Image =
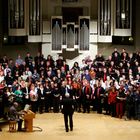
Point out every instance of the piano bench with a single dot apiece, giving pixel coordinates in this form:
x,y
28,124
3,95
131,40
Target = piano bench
x,y
12,126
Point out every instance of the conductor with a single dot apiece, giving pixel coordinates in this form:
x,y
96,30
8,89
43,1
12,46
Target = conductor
x,y
68,110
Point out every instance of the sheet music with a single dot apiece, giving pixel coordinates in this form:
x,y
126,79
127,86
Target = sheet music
x,y
26,108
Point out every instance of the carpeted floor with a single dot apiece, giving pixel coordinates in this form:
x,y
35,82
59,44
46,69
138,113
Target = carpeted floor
x,y
86,127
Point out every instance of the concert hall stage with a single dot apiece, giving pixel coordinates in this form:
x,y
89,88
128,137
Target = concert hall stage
x,y
90,126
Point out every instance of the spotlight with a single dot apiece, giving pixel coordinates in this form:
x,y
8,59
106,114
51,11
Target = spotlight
x,y
131,39
5,39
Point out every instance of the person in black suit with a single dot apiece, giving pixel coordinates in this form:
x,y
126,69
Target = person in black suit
x,y
68,110
41,98
99,97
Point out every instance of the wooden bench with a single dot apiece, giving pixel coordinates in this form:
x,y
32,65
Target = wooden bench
x,y
12,126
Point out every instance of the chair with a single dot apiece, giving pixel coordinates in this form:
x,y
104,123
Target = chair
x,y
12,126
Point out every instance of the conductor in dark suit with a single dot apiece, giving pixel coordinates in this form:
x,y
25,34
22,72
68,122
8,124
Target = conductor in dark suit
x,y
68,110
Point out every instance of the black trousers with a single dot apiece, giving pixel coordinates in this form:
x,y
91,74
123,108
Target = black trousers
x,y
78,105
129,111
113,109
47,104
1,109
20,124
56,103
70,118
86,105
41,105
99,106
34,106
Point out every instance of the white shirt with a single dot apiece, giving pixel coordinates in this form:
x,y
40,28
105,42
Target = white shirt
x,y
33,95
1,78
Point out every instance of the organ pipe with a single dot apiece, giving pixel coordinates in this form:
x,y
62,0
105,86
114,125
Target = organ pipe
x,y
102,17
12,13
30,23
38,17
84,36
17,13
76,36
123,13
127,14
16,9
21,13
109,17
118,13
105,17
70,36
123,5
34,17
56,35
64,36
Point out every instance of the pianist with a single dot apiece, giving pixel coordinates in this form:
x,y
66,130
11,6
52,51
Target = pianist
x,y
14,115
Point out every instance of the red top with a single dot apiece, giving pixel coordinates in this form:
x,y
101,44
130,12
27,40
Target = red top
x,y
112,97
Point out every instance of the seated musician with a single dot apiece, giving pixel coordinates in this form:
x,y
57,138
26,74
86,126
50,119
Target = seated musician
x,y
14,115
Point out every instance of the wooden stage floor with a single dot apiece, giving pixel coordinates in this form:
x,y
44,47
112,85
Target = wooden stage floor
x,y
86,127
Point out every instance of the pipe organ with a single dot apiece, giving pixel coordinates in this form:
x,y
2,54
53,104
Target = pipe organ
x,y
35,21
64,35
56,33
70,36
76,35
122,17
17,17
84,33
105,20
105,17
25,18
123,14
16,13
34,16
